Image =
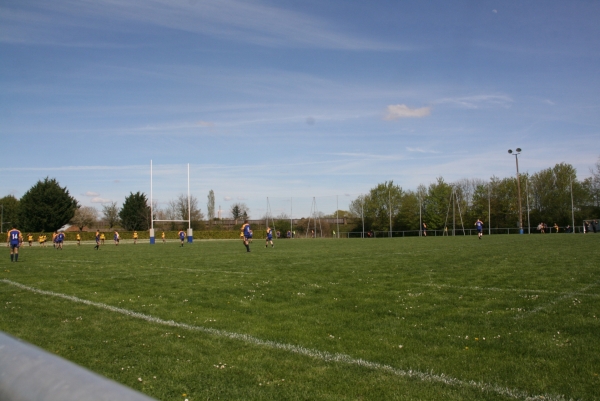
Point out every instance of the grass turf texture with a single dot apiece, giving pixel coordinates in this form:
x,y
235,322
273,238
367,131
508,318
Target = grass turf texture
x,y
416,318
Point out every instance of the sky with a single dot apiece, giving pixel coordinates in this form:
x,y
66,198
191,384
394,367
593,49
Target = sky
x,y
291,106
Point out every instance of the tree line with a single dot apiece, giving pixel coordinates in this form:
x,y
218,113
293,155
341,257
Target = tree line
x,y
552,195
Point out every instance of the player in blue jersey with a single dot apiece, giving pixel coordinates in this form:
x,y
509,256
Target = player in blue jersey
x,y
246,234
117,238
14,241
269,237
479,226
181,236
97,247
60,238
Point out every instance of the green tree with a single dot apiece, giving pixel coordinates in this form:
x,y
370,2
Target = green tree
x,y
10,212
46,206
135,213
239,211
435,204
210,206
551,195
408,214
379,206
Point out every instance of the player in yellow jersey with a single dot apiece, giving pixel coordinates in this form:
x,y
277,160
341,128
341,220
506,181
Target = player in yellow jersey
x,y
78,239
163,237
102,238
30,239
135,237
40,240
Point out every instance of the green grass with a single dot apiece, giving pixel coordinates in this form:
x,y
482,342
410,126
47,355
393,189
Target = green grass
x,y
400,319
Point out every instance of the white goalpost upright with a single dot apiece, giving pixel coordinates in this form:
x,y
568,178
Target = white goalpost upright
x,y
190,232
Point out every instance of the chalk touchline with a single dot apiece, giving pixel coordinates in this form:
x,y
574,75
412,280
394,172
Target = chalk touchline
x,y
322,355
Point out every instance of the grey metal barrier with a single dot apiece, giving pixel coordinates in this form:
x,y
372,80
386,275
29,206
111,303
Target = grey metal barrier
x,y
28,373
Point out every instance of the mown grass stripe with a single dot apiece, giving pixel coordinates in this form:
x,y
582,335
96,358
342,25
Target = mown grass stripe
x,y
321,355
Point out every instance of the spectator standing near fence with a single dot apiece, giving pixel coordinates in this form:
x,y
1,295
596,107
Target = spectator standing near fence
x,y
424,229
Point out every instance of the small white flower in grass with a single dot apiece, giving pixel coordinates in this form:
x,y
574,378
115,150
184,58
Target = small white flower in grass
x,y
139,379
400,346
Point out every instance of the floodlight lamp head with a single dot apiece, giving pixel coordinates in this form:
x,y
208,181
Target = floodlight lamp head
x,y
519,150
510,151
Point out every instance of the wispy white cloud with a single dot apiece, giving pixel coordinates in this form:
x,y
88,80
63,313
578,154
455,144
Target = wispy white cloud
x,y
91,193
479,101
397,111
236,20
419,150
100,200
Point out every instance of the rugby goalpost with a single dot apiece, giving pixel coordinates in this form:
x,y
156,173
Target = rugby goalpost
x,y
190,232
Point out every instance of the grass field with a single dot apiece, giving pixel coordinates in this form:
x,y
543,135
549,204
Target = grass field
x,y
506,317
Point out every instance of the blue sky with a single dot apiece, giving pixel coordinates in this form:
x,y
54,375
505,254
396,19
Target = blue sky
x,y
286,99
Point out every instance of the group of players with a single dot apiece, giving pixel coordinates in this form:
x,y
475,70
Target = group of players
x,y
15,238
246,236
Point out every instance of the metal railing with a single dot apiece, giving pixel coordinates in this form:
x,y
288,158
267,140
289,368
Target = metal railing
x,y
449,233
28,373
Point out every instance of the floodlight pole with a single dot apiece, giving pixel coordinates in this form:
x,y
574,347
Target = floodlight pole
x,y
337,215
489,210
572,205
517,153
420,218
527,195
2,220
151,208
362,214
190,232
292,216
390,202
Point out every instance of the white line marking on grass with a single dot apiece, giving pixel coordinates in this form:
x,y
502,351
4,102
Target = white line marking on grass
x,y
509,289
552,303
312,353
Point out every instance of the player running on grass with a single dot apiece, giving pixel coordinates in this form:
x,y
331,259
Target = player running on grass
x,y
269,237
14,240
135,237
479,226
246,234
97,240
117,238
181,234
